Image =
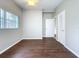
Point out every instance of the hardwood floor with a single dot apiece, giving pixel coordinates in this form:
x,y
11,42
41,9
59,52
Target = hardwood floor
x,y
46,48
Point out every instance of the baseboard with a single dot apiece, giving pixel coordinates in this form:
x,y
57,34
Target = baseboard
x,y
32,38
71,51
10,46
49,37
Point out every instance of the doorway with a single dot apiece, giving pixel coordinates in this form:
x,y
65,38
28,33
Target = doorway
x,y
48,30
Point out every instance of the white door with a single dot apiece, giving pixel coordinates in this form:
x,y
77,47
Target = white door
x,y
50,29
61,27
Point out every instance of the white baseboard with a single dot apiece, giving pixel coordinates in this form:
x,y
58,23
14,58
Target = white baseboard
x,y
10,46
48,36
71,51
32,38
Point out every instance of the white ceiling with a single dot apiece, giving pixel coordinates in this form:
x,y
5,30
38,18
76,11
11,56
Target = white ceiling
x,y
46,5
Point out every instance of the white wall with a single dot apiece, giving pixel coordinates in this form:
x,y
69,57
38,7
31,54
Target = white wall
x,y
32,24
72,23
8,36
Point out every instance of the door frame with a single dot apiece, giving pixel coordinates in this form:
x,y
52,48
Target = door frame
x,y
58,39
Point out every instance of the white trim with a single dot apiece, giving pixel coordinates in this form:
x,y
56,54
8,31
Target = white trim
x,y
72,51
10,46
32,38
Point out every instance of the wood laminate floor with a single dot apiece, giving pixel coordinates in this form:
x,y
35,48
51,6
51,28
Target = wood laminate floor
x,y
46,48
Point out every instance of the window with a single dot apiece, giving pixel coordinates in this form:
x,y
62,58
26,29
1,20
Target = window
x,y
11,20
1,18
8,20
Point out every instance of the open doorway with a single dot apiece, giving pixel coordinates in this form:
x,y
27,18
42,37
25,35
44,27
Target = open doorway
x,y
48,25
